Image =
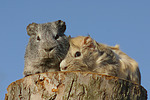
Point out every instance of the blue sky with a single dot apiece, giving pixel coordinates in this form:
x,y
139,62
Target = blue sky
x,y
111,22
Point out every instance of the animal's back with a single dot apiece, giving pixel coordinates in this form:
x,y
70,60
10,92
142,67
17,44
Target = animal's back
x,y
129,67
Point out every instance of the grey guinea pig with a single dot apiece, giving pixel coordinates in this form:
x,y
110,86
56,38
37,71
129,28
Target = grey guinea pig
x,y
47,47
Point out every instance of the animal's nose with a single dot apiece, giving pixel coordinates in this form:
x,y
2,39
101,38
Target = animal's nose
x,y
48,50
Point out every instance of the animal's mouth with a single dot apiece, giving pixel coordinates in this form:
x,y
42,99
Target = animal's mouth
x,y
65,68
46,62
47,59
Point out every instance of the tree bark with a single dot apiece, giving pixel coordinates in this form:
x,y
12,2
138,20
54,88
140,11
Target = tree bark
x,y
74,86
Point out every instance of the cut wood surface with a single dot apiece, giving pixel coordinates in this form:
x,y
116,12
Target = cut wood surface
x,y
74,86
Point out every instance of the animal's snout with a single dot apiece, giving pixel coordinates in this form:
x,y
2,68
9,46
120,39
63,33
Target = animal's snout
x,y
49,49
63,68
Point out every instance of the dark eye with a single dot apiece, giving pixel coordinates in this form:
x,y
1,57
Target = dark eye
x,y
56,37
102,52
38,38
77,54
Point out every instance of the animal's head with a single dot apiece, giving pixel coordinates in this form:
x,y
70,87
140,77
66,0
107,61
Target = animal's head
x,y
81,54
47,40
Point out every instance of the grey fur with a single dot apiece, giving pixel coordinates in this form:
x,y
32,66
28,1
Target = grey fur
x,y
46,48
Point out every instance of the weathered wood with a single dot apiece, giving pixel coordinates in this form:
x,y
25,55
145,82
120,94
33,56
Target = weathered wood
x,y
74,86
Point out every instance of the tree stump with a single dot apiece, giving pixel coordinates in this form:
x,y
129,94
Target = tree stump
x,y
74,86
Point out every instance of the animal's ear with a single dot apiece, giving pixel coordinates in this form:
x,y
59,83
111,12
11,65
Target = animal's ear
x,y
61,26
32,29
116,47
69,38
88,42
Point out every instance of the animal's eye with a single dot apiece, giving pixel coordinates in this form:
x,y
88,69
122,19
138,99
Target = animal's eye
x,y
56,37
77,54
102,52
38,38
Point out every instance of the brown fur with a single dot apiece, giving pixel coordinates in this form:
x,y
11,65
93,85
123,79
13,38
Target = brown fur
x,y
99,58
129,67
